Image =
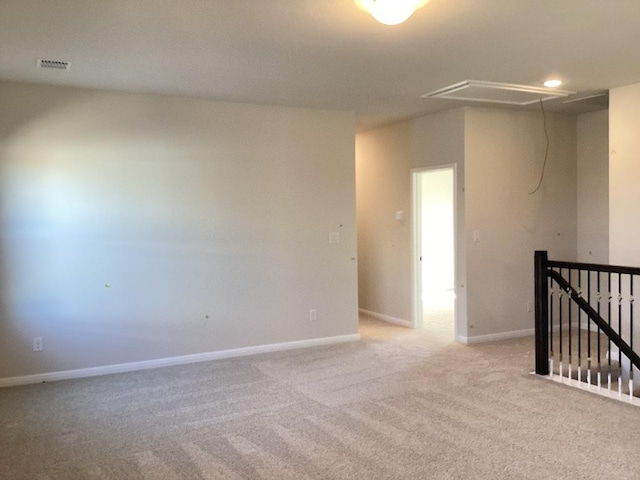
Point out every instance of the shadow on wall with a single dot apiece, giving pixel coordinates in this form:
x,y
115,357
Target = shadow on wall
x,y
136,227
23,306
106,231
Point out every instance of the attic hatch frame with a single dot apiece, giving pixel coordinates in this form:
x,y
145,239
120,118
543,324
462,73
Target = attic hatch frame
x,y
494,92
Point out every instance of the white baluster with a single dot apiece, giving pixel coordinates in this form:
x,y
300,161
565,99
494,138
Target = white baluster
x,y
619,386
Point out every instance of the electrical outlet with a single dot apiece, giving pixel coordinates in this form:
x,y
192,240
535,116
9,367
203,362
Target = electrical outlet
x,y
313,315
37,344
529,306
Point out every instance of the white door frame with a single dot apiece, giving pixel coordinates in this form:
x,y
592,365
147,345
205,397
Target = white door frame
x,y
416,224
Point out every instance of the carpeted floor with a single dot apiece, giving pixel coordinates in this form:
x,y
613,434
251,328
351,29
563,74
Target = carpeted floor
x,y
401,404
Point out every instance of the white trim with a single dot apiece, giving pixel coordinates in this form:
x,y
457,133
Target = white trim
x,y
416,249
171,361
603,391
492,337
386,318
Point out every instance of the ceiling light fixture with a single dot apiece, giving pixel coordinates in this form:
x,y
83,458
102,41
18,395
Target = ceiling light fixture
x,y
391,12
552,83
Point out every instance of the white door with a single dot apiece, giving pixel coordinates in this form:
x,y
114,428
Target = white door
x,y
434,243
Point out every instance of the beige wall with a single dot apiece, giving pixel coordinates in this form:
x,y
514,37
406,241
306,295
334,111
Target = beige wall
x,y
439,140
504,153
624,190
384,159
384,243
136,227
624,175
593,187
498,156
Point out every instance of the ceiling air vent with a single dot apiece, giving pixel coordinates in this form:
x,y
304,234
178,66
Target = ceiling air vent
x,y
492,92
54,64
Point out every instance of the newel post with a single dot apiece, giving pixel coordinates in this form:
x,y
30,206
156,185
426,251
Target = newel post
x,y
542,312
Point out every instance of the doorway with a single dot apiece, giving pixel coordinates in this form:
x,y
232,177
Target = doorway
x,y
434,250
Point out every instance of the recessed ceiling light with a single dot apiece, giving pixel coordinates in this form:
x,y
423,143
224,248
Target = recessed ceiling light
x,y
552,83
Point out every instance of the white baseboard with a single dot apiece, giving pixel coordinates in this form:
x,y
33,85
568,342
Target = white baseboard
x,y
386,318
604,392
171,361
492,337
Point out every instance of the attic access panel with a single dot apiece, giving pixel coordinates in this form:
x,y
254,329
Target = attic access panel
x,y
492,92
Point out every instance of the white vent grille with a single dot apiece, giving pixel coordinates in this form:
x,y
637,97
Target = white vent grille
x,y
492,92
54,64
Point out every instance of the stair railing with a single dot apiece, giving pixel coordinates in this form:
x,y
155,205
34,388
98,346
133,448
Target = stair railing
x,y
583,311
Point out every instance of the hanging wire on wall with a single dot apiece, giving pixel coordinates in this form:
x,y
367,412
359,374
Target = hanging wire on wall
x,y
546,150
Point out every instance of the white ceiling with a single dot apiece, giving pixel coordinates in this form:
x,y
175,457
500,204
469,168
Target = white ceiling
x,y
324,54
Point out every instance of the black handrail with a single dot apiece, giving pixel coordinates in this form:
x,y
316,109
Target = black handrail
x,y
593,267
544,271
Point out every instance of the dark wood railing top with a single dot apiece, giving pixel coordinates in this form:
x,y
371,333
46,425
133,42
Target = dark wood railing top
x,y
595,267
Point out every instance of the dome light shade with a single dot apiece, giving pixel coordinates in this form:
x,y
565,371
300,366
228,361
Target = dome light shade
x,y
552,83
392,12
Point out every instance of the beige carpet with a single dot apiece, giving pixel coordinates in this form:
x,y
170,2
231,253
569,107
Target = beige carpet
x,y
401,404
